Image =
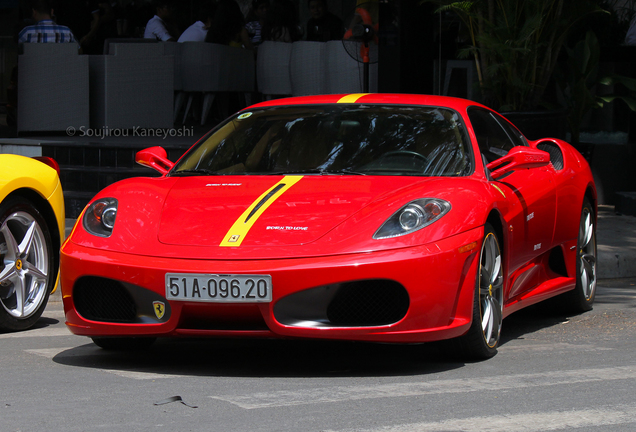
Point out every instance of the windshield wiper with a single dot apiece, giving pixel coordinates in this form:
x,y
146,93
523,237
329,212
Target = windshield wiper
x,y
317,171
193,172
285,172
349,172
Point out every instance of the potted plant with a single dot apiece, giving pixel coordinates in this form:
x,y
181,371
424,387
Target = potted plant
x,y
516,44
580,83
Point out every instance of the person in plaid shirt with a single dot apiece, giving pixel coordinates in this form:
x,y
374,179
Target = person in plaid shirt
x,y
45,30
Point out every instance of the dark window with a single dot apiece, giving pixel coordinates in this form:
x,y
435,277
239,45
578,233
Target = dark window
x,y
494,142
517,137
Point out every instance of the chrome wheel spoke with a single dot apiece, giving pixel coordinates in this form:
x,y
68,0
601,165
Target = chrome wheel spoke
x,y
13,251
497,285
36,274
588,230
588,276
20,297
27,241
589,259
496,307
486,320
8,274
490,318
497,270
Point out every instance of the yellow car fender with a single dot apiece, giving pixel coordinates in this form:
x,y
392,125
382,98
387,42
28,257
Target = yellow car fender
x,y
21,172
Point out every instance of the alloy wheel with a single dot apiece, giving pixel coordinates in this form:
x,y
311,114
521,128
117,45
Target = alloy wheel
x,y
25,259
491,290
587,254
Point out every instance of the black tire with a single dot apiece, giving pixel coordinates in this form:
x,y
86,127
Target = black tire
x,y
581,298
480,342
34,268
124,343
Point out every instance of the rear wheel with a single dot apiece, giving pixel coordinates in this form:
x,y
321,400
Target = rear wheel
x,y
28,272
581,299
482,339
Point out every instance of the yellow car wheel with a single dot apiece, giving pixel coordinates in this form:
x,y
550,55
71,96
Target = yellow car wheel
x,y
26,255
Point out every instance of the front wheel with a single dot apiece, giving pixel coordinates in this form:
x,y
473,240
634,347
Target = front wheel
x,y
27,275
482,339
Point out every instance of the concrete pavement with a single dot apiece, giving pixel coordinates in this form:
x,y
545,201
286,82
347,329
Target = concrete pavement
x,y
616,243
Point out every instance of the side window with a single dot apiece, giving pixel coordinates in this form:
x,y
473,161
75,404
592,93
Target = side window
x,y
517,137
494,142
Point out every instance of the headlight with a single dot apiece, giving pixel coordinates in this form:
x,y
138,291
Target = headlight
x,y
412,217
99,218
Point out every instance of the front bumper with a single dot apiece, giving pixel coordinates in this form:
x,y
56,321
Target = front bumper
x,y
438,279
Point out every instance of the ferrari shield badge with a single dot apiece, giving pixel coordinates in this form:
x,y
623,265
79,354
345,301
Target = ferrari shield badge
x,y
160,309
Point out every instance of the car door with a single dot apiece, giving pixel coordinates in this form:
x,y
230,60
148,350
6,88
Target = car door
x,y
530,193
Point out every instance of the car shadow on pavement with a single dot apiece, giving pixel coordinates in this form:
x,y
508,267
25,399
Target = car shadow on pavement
x,y
313,358
265,358
291,358
41,323
530,320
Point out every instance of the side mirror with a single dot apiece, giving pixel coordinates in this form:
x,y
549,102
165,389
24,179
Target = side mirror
x,y
155,158
518,158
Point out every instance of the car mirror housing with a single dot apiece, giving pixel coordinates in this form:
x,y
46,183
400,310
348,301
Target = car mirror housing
x,y
155,158
516,159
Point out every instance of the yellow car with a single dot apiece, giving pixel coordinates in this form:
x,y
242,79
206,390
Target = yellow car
x,y
31,231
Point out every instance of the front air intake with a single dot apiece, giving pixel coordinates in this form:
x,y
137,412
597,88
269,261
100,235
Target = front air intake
x,y
101,299
368,303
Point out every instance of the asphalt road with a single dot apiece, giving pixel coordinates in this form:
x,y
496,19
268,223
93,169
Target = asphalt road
x,y
552,373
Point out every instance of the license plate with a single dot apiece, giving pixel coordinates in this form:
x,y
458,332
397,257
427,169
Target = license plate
x,y
219,288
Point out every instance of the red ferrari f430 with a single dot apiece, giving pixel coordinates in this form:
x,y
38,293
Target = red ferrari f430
x,y
368,217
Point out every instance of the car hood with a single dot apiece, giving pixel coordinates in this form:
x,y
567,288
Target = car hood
x,y
256,211
313,215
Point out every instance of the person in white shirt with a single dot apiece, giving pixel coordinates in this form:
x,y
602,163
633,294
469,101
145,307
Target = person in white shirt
x,y
156,27
197,31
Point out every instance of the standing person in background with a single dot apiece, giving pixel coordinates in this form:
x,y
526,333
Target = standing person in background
x,y
323,26
199,30
156,27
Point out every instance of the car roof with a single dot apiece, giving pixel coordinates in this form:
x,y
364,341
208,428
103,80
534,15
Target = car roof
x,y
373,98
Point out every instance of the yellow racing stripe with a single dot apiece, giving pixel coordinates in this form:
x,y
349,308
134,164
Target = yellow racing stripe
x,y
352,98
243,224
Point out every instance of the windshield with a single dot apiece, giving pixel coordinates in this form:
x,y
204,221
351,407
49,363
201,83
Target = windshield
x,y
334,139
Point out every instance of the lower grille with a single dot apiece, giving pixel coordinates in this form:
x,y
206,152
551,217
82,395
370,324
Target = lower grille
x,y
368,303
100,299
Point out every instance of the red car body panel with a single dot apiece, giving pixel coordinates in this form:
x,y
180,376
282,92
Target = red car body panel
x,y
319,232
